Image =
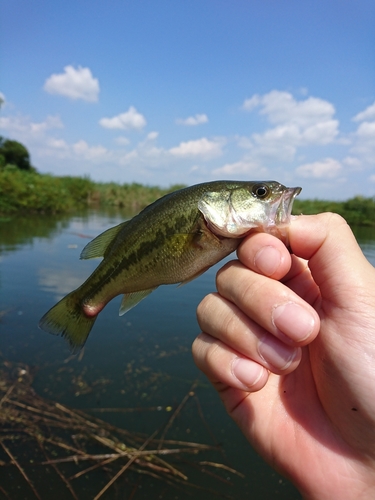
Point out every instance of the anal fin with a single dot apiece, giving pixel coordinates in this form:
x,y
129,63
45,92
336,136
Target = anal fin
x,y
130,300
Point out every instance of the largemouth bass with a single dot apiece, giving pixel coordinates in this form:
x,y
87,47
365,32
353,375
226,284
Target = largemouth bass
x,y
173,240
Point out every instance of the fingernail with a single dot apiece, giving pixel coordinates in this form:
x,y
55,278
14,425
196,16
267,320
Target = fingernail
x,y
267,260
293,321
274,352
246,371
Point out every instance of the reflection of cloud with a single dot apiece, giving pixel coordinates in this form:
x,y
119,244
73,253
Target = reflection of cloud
x,y
59,282
74,83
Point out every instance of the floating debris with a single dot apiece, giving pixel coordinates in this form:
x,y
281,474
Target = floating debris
x,y
62,438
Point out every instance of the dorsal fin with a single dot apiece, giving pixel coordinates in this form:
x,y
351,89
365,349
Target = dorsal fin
x,y
99,245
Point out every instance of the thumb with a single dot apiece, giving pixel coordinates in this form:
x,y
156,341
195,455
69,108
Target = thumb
x,y
336,261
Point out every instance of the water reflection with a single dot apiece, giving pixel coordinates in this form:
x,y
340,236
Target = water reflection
x,y
142,360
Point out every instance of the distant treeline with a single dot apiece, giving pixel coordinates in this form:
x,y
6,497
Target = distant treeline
x,y
358,211
26,191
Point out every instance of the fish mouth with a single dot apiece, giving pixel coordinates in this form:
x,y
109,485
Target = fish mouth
x,y
280,226
285,207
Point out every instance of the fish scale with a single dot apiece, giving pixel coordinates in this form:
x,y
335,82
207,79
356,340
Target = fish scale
x,y
173,240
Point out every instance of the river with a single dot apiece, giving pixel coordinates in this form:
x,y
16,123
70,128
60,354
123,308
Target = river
x,y
136,373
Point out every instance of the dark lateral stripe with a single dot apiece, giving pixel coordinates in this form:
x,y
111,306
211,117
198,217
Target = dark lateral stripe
x,y
107,272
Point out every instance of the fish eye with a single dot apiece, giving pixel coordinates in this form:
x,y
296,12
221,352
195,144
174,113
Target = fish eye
x,y
260,191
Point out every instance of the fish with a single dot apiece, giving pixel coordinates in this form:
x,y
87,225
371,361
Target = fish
x,y
173,240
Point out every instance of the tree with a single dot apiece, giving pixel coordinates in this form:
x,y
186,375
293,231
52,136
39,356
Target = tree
x,y
15,153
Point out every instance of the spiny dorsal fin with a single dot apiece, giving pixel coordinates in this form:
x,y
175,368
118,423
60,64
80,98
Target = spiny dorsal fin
x,y
130,300
99,245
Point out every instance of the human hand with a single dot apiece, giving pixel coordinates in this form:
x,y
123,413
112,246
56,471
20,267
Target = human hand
x,y
289,344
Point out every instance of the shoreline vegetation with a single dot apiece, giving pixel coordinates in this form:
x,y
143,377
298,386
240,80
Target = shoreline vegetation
x,y
26,191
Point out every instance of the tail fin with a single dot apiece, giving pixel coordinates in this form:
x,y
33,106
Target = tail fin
x,y
67,318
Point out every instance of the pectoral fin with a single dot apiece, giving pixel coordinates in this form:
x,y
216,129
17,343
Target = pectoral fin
x,y
100,245
130,300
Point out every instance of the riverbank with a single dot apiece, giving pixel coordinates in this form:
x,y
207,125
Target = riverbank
x,y
30,192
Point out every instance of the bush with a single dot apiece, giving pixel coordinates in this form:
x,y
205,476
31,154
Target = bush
x,y
23,191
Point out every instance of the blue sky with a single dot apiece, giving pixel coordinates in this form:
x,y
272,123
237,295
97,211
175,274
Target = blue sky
x,y
165,92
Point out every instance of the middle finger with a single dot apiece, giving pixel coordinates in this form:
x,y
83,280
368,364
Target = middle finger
x,y
269,303
222,320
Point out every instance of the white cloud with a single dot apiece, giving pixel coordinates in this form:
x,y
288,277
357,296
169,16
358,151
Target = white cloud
x,y
352,162
281,107
372,178
42,144
122,141
82,149
200,147
363,139
152,136
193,120
247,167
24,128
253,102
131,119
366,130
296,124
367,114
74,83
328,168
364,142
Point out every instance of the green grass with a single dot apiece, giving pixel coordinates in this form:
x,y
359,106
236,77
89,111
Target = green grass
x,y
22,191
30,192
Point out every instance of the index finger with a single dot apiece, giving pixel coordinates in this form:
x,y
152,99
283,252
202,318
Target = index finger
x,y
265,254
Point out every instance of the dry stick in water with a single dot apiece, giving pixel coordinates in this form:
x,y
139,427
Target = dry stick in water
x,y
58,471
178,410
121,471
13,459
24,411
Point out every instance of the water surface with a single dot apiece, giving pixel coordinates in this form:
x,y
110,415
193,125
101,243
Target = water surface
x,y
141,361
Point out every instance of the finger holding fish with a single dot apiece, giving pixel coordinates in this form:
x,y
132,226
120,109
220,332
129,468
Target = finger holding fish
x,y
265,254
269,303
237,333
253,318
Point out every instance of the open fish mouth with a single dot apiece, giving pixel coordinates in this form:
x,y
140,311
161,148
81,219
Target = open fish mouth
x,y
279,223
284,208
